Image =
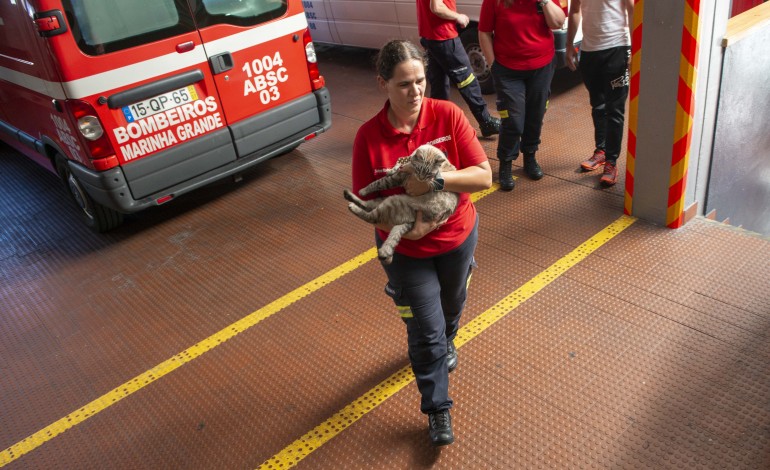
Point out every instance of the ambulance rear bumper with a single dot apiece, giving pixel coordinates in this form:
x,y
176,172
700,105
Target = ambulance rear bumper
x,y
187,167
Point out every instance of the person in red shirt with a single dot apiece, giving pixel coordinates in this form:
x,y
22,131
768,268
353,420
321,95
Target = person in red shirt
x,y
429,274
516,38
437,22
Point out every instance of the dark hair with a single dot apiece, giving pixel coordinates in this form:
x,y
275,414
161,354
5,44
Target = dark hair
x,y
395,52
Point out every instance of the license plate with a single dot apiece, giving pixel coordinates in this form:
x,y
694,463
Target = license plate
x,y
160,103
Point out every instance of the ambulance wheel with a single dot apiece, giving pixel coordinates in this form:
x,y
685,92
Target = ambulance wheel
x,y
470,40
96,216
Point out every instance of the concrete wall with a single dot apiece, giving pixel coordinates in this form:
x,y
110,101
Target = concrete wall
x,y
739,186
714,17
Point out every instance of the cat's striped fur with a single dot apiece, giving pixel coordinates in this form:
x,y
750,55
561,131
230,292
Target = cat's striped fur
x,y
400,210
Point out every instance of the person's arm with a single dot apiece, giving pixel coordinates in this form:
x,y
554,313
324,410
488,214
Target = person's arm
x,y
630,16
575,17
468,180
554,15
487,47
438,8
630,13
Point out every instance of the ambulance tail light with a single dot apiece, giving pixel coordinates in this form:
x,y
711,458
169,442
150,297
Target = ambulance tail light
x,y
90,127
316,79
99,146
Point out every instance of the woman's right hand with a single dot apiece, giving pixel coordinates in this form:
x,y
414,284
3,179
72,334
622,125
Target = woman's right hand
x,y
422,228
572,60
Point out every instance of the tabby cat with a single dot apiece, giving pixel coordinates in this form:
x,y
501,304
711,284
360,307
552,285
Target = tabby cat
x,y
400,210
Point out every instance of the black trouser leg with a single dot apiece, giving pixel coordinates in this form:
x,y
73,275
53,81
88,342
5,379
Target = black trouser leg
x,y
522,96
605,74
438,80
449,61
538,93
430,295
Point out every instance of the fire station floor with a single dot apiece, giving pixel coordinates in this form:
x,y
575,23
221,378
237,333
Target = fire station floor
x,y
245,325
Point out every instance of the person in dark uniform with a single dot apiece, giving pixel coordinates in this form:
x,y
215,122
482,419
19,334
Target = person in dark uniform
x,y
437,22
516,38
429,275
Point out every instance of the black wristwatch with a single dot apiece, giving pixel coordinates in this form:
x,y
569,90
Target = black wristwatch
x,y
438,182
542,3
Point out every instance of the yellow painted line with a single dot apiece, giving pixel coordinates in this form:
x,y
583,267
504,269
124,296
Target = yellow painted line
x,y
345,418
479,194
137,383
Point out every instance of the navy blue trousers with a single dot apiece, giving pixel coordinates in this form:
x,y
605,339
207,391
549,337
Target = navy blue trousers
x,y
448,61
430,294
522,97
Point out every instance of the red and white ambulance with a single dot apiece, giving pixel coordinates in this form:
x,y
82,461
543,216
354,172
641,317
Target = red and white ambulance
x,y
135,102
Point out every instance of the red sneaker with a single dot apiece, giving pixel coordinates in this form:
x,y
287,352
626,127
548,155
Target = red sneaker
x,y
610,175
594,162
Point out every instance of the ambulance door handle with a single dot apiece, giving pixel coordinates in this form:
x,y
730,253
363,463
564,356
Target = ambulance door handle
x,y
221,62
49,23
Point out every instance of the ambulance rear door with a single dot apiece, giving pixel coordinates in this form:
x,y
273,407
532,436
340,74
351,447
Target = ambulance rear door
x,y
140,67
256,50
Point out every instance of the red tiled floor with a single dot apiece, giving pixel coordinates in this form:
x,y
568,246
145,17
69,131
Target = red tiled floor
x,y
651,352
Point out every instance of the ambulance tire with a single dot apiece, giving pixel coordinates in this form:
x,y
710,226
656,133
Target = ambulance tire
x,y
96,216
470,39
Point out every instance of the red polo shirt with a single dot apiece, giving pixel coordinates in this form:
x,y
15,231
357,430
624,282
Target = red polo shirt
x,y
522,39
430,26
378,146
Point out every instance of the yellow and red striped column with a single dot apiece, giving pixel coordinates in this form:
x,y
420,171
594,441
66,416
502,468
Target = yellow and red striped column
x,y
633,106
685,111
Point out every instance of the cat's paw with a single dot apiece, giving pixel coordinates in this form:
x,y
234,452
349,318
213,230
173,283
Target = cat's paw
x,y
386,256
347,195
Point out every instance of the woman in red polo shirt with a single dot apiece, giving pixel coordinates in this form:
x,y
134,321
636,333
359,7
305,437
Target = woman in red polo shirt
x,y
432,264
516,38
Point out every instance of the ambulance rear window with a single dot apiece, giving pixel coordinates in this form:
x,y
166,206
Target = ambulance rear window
x,y
102,26
237,12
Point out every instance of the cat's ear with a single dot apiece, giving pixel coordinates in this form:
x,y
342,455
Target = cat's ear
x,y
436,152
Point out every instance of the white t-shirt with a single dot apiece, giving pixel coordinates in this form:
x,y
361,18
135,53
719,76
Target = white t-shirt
x,y
604,24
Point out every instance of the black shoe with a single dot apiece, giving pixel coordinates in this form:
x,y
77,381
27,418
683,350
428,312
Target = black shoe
x,y
451,356
531,168
490,127
440,428
506,175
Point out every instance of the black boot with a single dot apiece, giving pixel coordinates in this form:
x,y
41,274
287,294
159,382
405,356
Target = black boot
x,y
440,428
451,356
531,168
490,126
506,175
